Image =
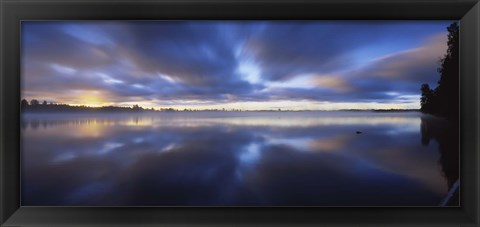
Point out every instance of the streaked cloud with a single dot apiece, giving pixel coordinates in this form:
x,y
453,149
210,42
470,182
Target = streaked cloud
x,y
174,63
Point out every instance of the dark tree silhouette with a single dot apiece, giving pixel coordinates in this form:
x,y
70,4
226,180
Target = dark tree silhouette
x,y
34,102
137,108
426,101
24,104
448,85
45,107
443,100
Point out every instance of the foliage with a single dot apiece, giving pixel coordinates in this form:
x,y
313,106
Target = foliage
x,y
444,99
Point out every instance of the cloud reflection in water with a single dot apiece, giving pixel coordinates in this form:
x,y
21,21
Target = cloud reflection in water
x,y
267,159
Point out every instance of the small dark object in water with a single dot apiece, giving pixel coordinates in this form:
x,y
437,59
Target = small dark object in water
x,y
358,132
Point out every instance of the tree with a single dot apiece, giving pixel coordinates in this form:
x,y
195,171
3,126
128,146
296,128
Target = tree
x,y
444,99
426,99
137,107
34,102
44,103
24,104
448,85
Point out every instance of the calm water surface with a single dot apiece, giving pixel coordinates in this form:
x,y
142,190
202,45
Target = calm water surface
x,y
232,159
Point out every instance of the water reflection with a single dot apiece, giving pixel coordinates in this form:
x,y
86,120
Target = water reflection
x,y
446,135
265,159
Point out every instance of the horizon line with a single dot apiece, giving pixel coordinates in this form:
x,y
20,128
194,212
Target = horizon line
x,y
184,109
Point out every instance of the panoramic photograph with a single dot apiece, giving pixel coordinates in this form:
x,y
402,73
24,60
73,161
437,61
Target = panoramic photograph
x,y
240,113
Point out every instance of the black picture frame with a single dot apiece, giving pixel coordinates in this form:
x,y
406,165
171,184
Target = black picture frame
x,y
14,11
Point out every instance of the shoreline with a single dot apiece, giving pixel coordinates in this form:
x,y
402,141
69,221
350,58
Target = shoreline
x,y
95,111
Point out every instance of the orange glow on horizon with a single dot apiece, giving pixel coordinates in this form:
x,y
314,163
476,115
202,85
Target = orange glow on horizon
x,y
93,99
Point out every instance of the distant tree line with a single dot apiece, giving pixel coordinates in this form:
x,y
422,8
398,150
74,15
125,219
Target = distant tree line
x,y
35,106
46,107
444,99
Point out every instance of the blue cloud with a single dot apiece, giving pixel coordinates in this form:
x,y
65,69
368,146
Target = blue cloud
x,y
202,60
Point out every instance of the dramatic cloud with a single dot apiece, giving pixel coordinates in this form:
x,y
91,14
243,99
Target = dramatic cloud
x,y
252,64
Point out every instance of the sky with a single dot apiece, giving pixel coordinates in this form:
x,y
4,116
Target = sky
x,y
248,65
